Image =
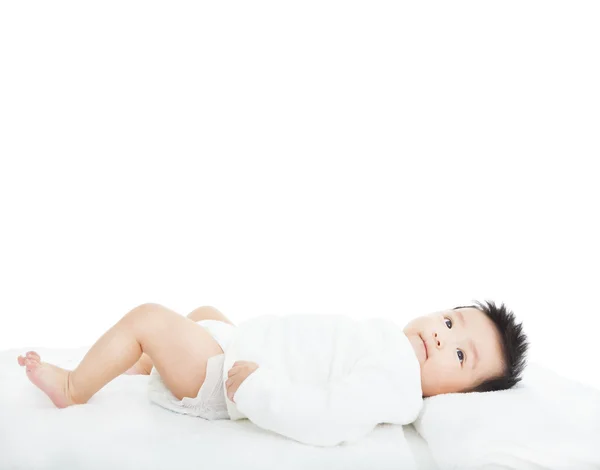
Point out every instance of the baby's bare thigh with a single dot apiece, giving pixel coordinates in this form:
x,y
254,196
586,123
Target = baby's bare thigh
x,y
179,349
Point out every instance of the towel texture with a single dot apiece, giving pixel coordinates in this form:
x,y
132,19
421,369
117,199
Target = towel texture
x,y
545,421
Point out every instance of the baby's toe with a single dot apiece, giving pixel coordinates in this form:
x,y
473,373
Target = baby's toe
x,y
34,357
32,364
21,360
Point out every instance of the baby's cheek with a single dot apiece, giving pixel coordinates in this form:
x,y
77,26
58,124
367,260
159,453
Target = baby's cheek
x,y
424,372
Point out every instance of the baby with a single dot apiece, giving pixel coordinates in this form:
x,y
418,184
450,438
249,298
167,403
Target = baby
x,y
318,379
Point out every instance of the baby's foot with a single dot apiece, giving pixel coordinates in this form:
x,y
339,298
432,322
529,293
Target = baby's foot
x,y
50,379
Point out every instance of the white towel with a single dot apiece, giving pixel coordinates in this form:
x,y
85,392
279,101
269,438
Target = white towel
x,y
546,421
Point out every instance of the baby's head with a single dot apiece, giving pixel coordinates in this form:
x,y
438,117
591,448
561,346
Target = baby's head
x,y
477,348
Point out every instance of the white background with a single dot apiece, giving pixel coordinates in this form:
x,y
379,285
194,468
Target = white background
x,y
358,158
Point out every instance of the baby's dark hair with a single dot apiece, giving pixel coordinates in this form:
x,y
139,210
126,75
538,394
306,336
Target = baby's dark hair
x,y
514,346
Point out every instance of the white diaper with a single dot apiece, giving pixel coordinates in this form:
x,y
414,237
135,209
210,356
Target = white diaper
x,y
210,401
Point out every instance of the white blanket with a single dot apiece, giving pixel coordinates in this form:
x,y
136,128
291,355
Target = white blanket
x,y
119,428
324,379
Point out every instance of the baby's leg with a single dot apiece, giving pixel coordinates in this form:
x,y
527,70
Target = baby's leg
x,y
178,346
144,365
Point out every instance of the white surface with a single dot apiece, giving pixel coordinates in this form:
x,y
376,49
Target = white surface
x,y
546,421
120,429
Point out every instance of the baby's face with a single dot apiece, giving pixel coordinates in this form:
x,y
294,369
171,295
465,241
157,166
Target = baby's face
x,y
452,348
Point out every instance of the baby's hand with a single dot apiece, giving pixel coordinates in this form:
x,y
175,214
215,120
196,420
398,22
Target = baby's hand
x,y
237,374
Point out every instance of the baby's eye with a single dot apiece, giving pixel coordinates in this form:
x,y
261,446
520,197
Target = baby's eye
x,y
462,355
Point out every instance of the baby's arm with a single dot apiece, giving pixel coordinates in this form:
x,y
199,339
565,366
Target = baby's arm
x,y
342,410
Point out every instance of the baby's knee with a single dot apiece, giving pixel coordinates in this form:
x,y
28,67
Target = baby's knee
x,y
150,306
144,312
